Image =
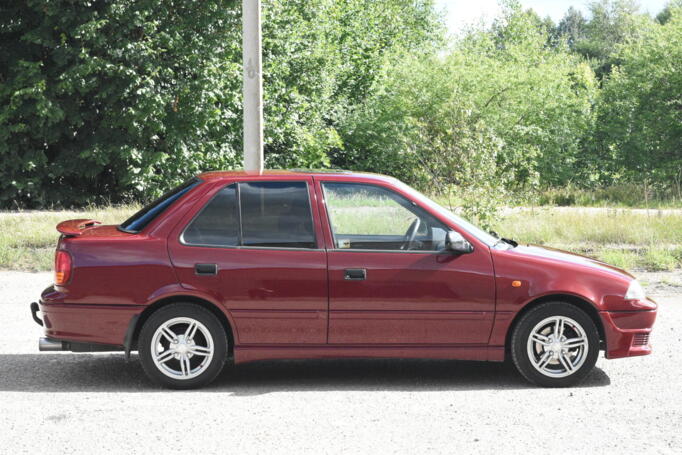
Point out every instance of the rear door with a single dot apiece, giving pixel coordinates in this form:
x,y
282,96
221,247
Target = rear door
x,y
255,247
391,280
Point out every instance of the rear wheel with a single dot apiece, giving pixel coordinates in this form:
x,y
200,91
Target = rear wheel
x,y
182,346
555,344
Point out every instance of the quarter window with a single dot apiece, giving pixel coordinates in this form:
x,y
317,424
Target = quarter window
x,y
147,214
218,223
369,217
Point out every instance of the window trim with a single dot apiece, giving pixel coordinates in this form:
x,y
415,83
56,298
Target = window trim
x,y
240,246
362,250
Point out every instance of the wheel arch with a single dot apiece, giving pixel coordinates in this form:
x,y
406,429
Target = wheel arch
x,y
574,300
184,298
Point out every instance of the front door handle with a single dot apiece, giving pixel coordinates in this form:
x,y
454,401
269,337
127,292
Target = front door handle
x,y
354,274
206,269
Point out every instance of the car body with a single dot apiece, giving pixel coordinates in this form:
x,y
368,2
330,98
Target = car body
x,y
319,265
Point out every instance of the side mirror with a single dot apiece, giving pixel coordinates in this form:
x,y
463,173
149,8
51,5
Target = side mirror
x,y
458,244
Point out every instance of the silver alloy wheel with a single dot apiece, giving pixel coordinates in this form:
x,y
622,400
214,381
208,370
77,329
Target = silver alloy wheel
x,y
182,348
557,346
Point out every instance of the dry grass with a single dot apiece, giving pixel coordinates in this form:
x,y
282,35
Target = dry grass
x,y
621,237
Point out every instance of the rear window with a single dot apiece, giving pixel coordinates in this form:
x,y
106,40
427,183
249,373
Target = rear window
x,y
142,218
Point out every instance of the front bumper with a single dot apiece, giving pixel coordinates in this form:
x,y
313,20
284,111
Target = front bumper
x,y
627,332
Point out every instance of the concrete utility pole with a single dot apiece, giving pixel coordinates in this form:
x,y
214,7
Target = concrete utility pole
x,y
253,86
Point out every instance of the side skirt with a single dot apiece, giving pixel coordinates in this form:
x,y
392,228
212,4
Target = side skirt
x,y
251,353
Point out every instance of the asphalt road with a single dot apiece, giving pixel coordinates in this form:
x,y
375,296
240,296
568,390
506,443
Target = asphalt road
x,y
95,403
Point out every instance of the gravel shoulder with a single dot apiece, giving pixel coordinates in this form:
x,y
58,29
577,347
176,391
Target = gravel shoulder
x,y
92,403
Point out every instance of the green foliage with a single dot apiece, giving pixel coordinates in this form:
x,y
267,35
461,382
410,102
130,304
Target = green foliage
x,y
612,23
572,27
419,129
658,259
118,99
640,113
498,111
666,14
113,98
320,58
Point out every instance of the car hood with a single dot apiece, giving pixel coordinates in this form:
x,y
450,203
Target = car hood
x,y
567,258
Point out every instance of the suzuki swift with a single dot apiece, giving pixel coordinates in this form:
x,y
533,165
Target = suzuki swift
x,y
281,265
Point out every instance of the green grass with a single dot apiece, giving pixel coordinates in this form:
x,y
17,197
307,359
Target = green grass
x,y
620,258
621,237
549,226
650,241
28,239
658,259
621,195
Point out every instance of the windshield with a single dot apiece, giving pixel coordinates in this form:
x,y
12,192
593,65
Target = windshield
x,y
477,232
142,218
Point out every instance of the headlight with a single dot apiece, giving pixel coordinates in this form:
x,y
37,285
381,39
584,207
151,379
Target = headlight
x,y
635,291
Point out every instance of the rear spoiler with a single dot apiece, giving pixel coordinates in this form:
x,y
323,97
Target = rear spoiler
x,y
76,227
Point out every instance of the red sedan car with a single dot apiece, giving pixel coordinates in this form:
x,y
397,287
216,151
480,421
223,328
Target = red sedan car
x,y
283,265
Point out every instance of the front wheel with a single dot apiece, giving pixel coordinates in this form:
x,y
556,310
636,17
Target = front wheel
x,y
555,344
182,346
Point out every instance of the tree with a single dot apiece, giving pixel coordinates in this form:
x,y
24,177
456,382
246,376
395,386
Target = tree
x,y
572,27
500,111
117,99
612,22
666,13
108,99
640,111
321,58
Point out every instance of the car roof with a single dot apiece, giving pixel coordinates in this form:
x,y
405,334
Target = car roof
x,y
224,175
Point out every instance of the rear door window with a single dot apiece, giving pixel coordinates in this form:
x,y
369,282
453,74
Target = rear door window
x,y
255,214
276,214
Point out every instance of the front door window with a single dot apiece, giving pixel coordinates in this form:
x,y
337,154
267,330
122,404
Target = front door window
x,y
370,217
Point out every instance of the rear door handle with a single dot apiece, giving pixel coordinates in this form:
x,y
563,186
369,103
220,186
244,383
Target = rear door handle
x,y
206,269
354,274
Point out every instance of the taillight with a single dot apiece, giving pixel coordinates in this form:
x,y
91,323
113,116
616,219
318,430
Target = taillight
x,y
62,267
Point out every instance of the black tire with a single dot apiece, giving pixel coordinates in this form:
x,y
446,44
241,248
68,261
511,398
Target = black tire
x,y
520,348
206,372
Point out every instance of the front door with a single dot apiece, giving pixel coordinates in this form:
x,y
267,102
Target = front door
x,y
391,280
253,247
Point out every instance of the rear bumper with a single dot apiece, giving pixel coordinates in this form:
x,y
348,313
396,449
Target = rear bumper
x,y
52,345
84,323
627,332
